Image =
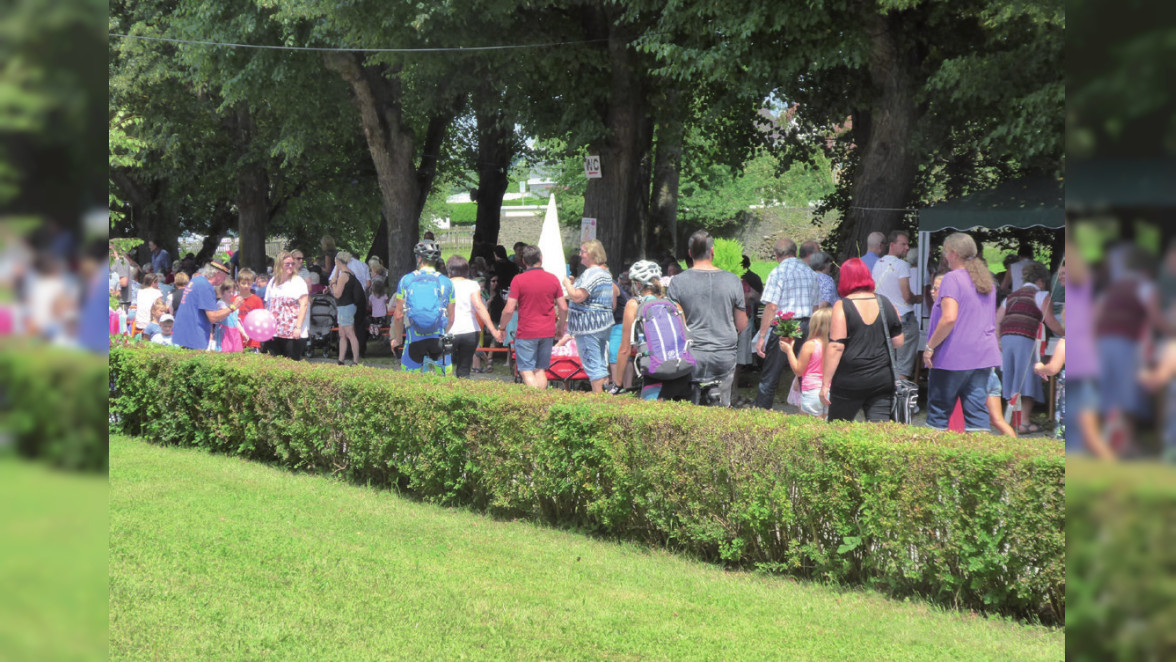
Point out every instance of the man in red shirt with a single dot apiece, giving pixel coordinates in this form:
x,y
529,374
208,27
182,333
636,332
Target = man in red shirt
x,y
543,311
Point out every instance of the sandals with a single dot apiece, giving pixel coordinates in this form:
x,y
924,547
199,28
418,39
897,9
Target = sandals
x,y
1029,429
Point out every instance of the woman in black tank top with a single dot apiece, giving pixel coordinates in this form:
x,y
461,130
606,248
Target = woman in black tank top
x,y
857,374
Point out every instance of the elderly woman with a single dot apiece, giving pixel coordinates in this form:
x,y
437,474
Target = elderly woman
x,y
823,265
287,298
857,375
1018,318
962,348
349,297
590,312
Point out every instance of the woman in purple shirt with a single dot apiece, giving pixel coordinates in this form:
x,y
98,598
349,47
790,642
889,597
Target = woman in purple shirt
x,y
963,348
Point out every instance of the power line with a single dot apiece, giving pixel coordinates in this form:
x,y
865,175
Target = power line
x,y
354,50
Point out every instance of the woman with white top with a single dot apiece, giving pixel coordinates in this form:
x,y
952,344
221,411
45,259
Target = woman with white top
x,y
287,297
149,292
470,315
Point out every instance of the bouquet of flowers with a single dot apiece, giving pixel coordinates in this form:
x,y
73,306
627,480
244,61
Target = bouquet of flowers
x,y
784,326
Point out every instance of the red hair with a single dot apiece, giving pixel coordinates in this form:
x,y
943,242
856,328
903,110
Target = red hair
x,y
855,277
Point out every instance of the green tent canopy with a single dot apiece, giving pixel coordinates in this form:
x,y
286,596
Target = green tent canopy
x,y
1022,203
1122,183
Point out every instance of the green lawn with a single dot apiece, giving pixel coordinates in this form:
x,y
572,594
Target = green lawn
x,y
53,533
218,558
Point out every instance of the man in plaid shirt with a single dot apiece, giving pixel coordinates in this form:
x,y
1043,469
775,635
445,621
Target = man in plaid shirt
x,y
792,287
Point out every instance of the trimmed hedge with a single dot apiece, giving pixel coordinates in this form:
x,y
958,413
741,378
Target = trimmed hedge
x,y
52,404
1121,554
974,522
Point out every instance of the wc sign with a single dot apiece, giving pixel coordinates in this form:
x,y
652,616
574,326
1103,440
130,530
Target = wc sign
x,y
592,167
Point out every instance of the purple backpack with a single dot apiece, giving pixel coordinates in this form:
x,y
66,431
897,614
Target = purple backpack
x,y
667,354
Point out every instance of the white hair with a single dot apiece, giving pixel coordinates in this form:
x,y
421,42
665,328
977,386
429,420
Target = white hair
x,y
875,240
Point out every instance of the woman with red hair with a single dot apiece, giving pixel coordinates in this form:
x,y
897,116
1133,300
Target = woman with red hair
x,y
858,376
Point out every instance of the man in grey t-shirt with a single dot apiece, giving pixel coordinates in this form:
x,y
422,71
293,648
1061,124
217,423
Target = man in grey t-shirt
x,y
713,302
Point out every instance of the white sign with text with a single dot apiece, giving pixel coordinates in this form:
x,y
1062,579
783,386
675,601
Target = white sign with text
x,y
592,167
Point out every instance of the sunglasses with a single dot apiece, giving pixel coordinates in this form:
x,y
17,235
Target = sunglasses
x,y
288,263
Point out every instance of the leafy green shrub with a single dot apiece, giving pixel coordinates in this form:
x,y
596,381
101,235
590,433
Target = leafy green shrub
x,y
53,404
969,521
1120,561
729,256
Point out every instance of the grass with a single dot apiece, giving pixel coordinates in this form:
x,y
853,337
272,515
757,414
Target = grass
x,y
218,558
53,572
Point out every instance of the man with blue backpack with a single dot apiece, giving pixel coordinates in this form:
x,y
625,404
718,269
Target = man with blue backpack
x,y
424,312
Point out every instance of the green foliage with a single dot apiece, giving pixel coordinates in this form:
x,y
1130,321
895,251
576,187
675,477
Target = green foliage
x,y
971,521
729,256
53,405
1120,551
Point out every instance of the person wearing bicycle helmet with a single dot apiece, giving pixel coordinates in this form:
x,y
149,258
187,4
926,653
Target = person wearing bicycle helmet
x,y
645,276
424,312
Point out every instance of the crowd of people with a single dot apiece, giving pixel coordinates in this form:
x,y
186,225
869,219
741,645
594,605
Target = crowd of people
x,y
855,327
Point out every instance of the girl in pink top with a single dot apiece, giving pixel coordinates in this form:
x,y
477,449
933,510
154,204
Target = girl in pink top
x,y
807,366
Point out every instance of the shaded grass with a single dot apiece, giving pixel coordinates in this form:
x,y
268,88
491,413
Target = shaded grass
x,y
53,531
214,557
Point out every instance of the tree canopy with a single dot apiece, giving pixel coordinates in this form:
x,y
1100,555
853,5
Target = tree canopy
x,y
698,111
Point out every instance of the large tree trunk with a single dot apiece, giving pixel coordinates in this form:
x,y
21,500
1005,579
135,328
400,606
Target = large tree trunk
x,y
615,200
392,146
426,173
495,152
143,211
252,216
667,169
886,167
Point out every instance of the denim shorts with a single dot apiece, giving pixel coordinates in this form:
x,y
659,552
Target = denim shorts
x,y
994,385
594,353
810,403
346,315
533,354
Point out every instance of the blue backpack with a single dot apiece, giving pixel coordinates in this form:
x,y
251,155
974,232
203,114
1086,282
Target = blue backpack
x,y
422,303
667,349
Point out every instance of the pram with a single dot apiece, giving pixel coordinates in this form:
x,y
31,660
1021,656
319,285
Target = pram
x,y
565,369
322,319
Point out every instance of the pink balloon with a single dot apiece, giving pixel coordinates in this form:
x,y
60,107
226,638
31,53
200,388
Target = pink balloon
x,y
260,325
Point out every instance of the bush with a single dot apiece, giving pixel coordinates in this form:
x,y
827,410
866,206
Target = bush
x,y
53,406
1121,558
967,521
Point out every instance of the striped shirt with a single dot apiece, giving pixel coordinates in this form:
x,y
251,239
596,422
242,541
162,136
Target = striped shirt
x,y
594,313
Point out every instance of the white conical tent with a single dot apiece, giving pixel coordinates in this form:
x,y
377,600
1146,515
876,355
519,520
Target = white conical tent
x,y
551,243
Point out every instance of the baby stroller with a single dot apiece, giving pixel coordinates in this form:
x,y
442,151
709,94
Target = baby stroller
x,y
322,319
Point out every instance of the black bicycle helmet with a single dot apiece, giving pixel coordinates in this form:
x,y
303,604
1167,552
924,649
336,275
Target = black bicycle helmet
x,y
428,250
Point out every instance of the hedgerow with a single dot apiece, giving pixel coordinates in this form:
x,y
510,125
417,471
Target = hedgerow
x,y
52,404
1121,560
969,521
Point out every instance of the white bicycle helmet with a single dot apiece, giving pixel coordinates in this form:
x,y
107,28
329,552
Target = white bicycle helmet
x,y
644,272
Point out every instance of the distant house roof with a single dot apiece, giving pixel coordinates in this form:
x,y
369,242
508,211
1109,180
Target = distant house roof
x,y
1021,203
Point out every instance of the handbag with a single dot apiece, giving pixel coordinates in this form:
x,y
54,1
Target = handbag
x,y
906,392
